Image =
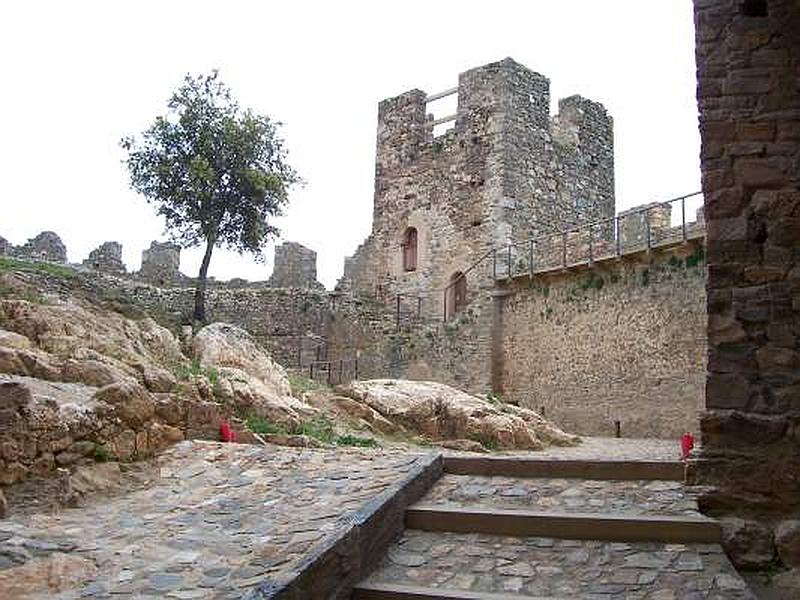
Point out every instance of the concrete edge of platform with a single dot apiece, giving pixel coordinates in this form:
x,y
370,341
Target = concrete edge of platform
x,y
511,466
579,526
337,564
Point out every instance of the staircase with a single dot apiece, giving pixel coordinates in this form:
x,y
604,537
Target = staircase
x,y
510,528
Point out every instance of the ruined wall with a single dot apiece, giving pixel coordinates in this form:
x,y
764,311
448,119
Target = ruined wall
x,y
748,60
505,171
622,341
295,266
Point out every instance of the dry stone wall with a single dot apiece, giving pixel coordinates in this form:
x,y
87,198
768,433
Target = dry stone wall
x,y
622,341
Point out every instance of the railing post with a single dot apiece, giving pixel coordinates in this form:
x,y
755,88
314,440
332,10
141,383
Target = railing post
x,y
509,266
647,225
619,235
329,372
311,370
564,250
494,263
444,305
419,307
355,368
398,313
299,352
530,256
341,369
683,217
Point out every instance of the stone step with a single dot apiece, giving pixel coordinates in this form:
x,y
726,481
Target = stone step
x,y
630,497
576,526
394,591
523,466
449,565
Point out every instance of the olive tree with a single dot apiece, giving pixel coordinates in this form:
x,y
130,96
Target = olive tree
x,y
217,173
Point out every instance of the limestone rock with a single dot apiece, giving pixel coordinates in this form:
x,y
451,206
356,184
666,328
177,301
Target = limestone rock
x,y
91,372
463,445
246,374
224,345
441,412
46,576
747,543
161,436
9,339
3,505
132,403
787,540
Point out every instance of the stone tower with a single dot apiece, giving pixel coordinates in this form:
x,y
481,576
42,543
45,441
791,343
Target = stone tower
x,y
507,171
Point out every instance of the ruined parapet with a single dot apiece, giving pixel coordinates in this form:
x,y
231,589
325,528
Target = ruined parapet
x,y
46,246
5,246
636,223
161,263
295,266
106,258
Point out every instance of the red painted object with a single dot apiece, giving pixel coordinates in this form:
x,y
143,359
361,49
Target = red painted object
x,y
687,443
226,434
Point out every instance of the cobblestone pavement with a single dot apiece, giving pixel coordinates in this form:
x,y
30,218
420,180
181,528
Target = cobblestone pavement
x,y
564,495
220,519
605,448
554,568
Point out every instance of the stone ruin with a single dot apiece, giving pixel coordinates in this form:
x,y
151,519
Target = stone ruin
x,y
45,247
161,263
295,266
106,258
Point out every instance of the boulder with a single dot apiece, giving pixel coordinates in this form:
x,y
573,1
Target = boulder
x,y
440,412
44,577
132,403
246,375
91,372
787,541
749,544
223,345
9,339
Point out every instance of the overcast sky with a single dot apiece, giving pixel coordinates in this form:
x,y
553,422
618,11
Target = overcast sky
x,y
79,75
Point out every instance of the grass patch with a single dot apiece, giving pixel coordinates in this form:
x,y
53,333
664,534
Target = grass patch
x,y
319,427
358,442
263,426
8,264
194,370
299,383
101,453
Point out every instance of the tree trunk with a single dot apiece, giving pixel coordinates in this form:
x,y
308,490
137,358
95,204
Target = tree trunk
x,y
200,290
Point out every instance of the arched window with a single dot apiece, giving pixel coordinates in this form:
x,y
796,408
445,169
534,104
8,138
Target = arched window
x,y
456,294
409,247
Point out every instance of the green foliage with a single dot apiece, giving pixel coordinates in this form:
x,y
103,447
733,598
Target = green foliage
x,y
493,398
352,440
101,453
194,370
319,427
262,426
8,264
217,173
593,282
697,257
300,383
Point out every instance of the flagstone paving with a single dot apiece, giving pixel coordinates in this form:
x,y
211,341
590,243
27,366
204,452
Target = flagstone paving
x,y
564,495
220,519
555,568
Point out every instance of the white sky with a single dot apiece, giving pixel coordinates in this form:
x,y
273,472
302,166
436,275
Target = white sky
x,y
78,75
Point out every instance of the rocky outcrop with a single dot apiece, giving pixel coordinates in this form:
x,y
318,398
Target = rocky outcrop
x,y
441,413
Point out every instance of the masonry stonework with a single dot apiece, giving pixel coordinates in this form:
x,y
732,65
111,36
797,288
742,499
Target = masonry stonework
x,y
620,341
295,266
505,172
748,60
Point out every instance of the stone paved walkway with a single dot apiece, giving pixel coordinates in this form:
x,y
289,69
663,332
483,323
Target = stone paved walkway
x,y
564,495
554,568
221,519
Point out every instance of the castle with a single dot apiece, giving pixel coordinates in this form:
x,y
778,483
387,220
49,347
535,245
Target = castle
x,y
506,172
496,263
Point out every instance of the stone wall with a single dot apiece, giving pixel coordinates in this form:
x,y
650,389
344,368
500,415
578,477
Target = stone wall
x,y
295,266
621,341
161,263
748,60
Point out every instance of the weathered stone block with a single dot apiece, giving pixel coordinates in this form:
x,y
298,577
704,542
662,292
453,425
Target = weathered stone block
x,y
748,543
787,541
